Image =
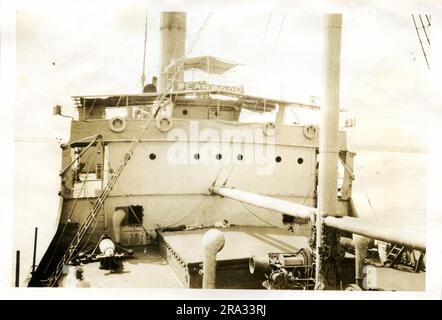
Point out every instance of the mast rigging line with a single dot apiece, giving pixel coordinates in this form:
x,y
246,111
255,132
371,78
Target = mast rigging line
x,y
72,209
279,33
143,75
420,41
161,103
267,28
425,31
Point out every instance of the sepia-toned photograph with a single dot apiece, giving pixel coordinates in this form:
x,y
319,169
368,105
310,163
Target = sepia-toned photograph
x,y
200,146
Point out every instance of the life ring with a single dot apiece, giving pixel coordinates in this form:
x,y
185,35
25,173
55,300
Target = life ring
x,y
117,124
310,131
269,129
164,124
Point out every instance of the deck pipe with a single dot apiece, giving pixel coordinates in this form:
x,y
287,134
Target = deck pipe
x,y
213,242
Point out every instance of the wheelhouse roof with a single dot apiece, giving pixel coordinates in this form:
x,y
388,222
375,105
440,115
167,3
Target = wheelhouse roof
x,y
188,97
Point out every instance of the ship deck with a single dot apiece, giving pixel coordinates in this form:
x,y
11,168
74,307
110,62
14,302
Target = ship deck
x,y
176,261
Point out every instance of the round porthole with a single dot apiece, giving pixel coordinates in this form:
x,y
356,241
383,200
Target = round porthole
x,y
300,160
219,156
240,157
196,156
152,156
278,159
185,112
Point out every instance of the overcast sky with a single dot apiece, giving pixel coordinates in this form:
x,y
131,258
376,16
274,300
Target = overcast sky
x,y
68,48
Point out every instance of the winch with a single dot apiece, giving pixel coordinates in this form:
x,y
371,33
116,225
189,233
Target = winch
x,y
284,270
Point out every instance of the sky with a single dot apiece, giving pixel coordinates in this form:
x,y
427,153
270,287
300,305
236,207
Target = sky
x,y
72,49
66,48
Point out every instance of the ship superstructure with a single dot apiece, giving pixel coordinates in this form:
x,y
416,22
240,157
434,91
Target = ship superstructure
x,y
155,170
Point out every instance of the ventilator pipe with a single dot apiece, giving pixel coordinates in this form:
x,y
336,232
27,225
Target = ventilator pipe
x,y
361,250
117,219
213,242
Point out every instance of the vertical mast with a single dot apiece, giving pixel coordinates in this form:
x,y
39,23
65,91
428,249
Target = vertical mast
x,y
143,75
328,152
172,44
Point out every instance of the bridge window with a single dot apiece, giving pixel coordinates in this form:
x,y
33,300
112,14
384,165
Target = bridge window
x,y
111,112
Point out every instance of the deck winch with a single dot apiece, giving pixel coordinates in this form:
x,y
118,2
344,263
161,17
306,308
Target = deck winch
x,y
284,270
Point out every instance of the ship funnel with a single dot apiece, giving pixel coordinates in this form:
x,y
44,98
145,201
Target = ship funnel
x,y
172,45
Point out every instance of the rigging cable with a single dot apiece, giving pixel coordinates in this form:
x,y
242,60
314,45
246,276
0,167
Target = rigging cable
x,y
72,210
143,75
279,33
366,193
254,214
190,213
267,28
425,31
420,41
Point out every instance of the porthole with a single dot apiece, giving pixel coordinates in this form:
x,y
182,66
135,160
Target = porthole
x,y
196,156
219,156
240,157
278,159
300,160
185,112
152,156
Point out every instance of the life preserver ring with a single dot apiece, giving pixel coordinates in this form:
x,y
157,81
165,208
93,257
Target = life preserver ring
x,y
310,131
164,124
269,129
117,124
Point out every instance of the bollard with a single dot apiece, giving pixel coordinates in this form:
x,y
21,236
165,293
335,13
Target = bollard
x,y
213,242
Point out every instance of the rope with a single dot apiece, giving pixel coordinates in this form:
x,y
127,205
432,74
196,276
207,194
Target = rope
x,y
366,194
425,31
279,33
267,27
217,176
71,212
90,236
294,113
190,213
420,41
231,170
254,214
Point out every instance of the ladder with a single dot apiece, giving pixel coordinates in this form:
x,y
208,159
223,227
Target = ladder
x,y
102,197
160,104
394,255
